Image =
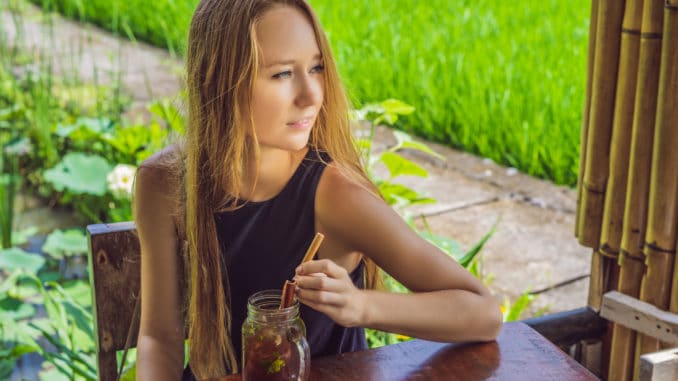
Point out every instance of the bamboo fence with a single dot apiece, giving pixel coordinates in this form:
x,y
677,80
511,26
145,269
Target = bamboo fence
x,y
627,207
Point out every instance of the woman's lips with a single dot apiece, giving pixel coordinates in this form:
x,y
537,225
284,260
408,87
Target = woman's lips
x,y
301,124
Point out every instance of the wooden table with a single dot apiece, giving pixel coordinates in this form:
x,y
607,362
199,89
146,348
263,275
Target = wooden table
x,y
520,353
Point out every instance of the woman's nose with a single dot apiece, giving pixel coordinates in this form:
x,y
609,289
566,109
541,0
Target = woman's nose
x,y
310,91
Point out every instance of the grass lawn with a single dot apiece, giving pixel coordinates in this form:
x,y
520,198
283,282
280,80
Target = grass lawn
x,y
501,80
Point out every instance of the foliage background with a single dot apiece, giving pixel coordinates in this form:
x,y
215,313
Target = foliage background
x,y
497,79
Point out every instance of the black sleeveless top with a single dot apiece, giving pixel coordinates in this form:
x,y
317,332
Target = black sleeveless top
x,y
263,242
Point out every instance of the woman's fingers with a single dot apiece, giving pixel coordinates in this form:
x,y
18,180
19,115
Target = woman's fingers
x,y
324,266
316,297
326,287
318,281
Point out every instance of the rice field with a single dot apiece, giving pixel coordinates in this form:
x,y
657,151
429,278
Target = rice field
x,y
501,80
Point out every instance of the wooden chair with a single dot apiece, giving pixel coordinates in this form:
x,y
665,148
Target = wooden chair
x,y
114,273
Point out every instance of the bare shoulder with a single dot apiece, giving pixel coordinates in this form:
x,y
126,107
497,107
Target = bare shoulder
x,y
156,189
342,201
159,173
336,187
163,163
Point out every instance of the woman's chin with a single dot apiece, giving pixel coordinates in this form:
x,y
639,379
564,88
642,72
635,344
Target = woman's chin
x,y
291,145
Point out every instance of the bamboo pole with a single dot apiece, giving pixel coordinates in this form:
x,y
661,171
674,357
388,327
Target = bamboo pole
x,y
587,108
662,217
669,107
622,124
608,36
603,87
615,194
635,211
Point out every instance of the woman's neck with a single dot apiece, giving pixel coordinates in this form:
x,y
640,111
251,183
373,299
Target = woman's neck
x,y
273,170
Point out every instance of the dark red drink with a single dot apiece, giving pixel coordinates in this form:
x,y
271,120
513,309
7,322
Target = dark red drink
x,y
274,340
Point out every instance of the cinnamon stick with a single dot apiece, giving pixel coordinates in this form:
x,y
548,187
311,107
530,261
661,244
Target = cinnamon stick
x,y
313,248
287,296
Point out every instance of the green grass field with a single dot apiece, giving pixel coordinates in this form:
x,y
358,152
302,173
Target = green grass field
x,y
502,80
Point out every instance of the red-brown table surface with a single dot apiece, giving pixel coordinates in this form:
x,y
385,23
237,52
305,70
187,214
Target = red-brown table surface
x,y
520,353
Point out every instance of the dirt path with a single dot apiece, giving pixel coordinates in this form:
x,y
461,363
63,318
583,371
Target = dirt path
x,y
533,247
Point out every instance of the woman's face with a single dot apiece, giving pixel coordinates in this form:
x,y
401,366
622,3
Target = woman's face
x,y
288,90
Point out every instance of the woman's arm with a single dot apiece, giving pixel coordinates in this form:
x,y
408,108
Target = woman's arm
x,y
160,345
447,303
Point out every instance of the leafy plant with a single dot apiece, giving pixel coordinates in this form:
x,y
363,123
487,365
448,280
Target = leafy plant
x,y
70,330
397,195
90,146
16,337
68,326
513,311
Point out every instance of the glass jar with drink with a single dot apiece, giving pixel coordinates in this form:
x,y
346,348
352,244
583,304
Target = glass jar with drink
x,y
274,345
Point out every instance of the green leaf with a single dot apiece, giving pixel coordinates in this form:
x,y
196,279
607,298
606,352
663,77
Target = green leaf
x,y
12,113
405,141
15,309
92,125
67,243
6,367
394,106
364,145
54,374
21,237
10,282
20,334
401,195
23,349
27,327
519,306
74,357
77,315
129,374
80,173
49,276
14,258
399,166
80,291
84,322
468,257
168,113
24,291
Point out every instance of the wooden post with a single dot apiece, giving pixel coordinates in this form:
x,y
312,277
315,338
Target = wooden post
x,y
659,366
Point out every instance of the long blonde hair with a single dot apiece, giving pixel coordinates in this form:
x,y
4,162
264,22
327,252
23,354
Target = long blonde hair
x,y
221,67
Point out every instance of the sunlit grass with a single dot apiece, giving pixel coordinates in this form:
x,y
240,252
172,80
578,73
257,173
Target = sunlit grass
x,y
498,79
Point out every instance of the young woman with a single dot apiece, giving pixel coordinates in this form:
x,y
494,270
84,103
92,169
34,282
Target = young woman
x,y
268,161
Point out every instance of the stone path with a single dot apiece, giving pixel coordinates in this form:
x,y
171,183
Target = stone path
x,y
533,246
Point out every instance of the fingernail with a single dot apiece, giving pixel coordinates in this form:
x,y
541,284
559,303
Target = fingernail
x,y
298,269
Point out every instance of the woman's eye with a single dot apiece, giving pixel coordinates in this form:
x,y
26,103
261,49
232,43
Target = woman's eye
x,y
317,68
284,74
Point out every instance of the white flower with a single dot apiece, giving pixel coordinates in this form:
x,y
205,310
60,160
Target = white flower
x,y
120,180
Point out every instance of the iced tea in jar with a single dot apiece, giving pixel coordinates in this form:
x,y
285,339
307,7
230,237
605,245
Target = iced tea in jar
x,y
274,346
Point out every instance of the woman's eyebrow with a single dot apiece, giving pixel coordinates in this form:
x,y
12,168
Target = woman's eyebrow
x,y
289,61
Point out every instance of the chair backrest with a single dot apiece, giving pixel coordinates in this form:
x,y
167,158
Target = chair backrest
x,y
114,272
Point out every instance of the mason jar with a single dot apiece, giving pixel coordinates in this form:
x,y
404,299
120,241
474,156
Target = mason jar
x,y
274,345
